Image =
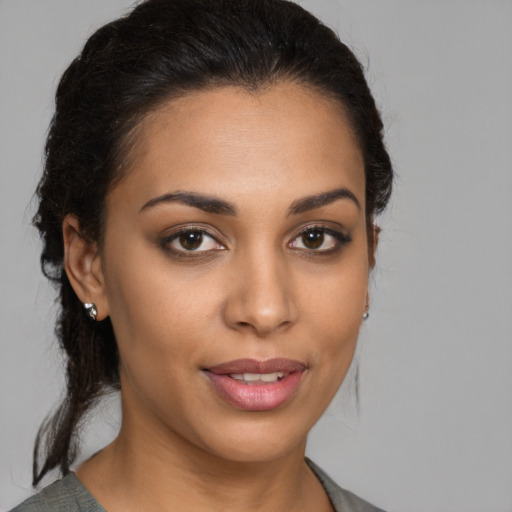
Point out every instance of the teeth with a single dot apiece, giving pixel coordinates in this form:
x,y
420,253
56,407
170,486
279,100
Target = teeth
x,y
255,377
251,377
271,377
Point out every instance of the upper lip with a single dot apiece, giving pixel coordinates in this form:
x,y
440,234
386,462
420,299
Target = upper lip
x,y
254,366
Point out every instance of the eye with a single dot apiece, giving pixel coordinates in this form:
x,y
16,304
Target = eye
x,y
191,241
319,239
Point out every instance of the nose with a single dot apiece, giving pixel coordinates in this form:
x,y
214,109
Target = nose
x,y
261,298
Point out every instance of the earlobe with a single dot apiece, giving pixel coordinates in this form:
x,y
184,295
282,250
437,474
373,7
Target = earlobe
x,y
83,266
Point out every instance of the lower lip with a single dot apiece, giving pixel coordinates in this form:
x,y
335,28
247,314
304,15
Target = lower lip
x,y
255,397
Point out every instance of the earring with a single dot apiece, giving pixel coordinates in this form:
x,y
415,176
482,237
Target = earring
x,y
90,310
366,313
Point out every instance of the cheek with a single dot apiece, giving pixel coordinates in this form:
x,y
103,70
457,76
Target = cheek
x,y
166,321
156,319
152,307
332,312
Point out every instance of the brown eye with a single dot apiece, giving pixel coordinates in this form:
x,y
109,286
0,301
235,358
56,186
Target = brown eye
x,y
320,240
313,238
191,240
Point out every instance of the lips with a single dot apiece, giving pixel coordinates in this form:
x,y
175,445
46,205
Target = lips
x,y
253,385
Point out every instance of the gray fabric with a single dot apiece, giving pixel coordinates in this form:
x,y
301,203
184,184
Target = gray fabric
x,y
342,500
69,495
65,495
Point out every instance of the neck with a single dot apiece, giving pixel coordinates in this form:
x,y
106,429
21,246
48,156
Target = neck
x,y
148,470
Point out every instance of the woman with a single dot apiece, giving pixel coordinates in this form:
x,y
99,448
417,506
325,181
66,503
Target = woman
x,y
213,172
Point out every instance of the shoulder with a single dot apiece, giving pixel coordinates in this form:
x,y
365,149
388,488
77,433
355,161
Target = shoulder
x,y
65,495
341,499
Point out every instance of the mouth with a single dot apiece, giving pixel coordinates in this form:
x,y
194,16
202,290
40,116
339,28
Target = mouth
x,y
253,385
258,379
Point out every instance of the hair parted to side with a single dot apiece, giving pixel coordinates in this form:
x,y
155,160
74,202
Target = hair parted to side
x,y
161,50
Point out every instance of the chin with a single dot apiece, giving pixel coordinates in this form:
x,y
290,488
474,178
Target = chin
x,y
257,439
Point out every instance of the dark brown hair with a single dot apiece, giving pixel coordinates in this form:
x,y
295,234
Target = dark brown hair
x,y
164,49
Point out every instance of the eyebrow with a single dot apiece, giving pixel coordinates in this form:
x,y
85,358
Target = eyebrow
x,y
206,203
318,200
217,206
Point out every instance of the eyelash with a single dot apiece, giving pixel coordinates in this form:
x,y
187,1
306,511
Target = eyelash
x,y
183,253
340,239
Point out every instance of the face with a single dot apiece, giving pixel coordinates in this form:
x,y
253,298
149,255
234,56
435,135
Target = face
x,y
235,264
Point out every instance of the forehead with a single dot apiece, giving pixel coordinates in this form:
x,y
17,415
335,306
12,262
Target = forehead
x,y
285,138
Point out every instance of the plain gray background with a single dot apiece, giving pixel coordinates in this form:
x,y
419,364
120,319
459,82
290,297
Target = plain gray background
x,y
434,427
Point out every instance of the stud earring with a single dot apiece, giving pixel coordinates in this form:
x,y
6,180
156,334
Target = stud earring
x,y
90,310
366,313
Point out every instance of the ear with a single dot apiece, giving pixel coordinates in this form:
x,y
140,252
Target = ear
x,y
83,266
373,242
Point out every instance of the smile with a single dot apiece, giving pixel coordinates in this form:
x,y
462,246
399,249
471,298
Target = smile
x,y
253,385
258,378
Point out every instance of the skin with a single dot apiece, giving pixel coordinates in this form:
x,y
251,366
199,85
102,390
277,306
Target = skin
x,y
252,290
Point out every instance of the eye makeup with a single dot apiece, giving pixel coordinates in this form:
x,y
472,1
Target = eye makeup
x,y
191,242
319,239
194,241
